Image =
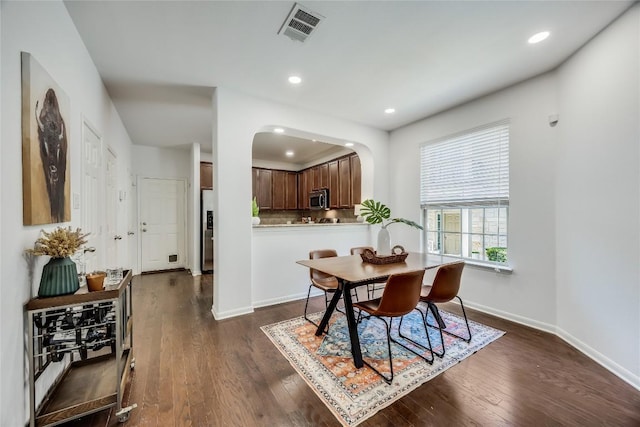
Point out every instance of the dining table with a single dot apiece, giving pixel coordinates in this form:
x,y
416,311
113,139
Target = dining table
x,y
351,272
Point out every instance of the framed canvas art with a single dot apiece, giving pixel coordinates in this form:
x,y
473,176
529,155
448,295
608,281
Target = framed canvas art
x,y
46,184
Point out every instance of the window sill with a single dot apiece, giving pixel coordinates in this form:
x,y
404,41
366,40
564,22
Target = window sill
x,y
481,265
488,266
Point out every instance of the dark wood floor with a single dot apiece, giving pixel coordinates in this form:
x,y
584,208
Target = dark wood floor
x,y
194,371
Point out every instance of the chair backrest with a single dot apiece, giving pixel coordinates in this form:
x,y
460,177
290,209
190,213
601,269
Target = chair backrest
x,y
320,253
401,294
446,284
360,249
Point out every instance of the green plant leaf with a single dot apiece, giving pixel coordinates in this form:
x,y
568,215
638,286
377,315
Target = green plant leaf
x,y
374,212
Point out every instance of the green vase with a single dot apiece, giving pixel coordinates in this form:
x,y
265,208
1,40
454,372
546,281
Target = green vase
x,y
59,277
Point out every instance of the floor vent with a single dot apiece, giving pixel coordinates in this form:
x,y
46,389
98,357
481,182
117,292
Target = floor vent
x,y
300,23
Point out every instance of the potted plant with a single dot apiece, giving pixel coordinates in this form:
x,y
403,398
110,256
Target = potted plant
x,y
59,275
377,213
255,211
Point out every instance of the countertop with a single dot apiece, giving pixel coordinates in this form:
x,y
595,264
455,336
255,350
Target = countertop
x,y
299,224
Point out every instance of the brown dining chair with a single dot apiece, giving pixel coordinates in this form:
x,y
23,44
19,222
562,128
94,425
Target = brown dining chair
x,y
399,297
372,287
325,282
444,288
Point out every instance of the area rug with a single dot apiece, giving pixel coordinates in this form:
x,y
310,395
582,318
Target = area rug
x,y
353,395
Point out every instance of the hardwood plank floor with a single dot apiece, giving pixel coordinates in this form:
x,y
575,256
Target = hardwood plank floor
x,y
192,370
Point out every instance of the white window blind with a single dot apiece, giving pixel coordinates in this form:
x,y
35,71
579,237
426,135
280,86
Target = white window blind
x,y
468,169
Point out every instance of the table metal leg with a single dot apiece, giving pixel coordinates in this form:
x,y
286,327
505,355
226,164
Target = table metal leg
x,y
328,312
353,326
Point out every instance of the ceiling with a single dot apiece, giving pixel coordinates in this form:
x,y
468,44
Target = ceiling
x,y
160,60
272,147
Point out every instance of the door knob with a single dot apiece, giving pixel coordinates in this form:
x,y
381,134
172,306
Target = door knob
x,y
144,230
130,233
144,223
117,237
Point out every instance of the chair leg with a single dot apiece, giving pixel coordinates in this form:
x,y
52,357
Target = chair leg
x,y
428,360
306,305
386,379
442,327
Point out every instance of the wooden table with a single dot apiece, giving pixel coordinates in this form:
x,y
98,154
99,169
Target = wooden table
x,y
352,272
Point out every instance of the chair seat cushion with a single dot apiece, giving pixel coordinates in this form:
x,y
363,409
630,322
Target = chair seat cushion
x,y
329,284
370,306
424,295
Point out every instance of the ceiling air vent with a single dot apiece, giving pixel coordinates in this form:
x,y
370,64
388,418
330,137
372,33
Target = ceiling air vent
x,y
300,23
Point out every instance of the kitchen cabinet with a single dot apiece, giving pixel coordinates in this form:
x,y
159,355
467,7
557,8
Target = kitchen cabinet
x,y
278,190
303,200
262,190
284,190
91,335
206,175
332,166
291,190
356,179
323,171
344,183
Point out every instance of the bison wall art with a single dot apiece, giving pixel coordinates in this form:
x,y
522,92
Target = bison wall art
x,y
45,147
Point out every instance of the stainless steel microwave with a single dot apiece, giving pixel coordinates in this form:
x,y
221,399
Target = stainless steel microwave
x,y
319,199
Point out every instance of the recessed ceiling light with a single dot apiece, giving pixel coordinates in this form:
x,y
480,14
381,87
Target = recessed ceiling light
x,y
390,110
289,153
295,80
537,38
278,130
348,144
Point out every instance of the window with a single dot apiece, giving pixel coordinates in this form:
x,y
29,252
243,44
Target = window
x,y
464,194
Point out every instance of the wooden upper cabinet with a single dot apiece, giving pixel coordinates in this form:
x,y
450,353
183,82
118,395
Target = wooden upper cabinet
x,y
206,175
324,175
344,178
261,180
356,179
334,187
278,190
291,190
304,187
315,176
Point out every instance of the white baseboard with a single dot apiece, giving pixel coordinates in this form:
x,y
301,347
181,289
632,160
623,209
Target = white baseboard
x,y
623,373
195,273
230,313
619,371
546,327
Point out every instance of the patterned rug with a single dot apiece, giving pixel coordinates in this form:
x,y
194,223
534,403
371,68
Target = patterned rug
x,y
353,395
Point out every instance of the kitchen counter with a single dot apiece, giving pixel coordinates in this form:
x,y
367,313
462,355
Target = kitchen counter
x,y
300,224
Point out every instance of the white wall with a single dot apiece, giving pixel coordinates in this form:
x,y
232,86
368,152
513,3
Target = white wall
x,y
239,117
158,162
597,198
527,292
46,31
275,276
574,230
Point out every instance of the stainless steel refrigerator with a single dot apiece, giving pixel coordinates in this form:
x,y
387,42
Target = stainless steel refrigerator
x,y
206,222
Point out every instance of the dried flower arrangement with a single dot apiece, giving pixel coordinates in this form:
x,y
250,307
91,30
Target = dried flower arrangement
x,y
59,243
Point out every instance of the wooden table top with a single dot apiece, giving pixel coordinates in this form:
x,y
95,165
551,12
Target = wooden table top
x,y
352,269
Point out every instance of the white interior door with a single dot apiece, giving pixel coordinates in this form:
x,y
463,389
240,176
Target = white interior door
x,y
162,224
111,211
91,200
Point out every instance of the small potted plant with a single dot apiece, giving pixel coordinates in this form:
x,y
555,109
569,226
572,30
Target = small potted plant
x,y
377,213
59,275
255,211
